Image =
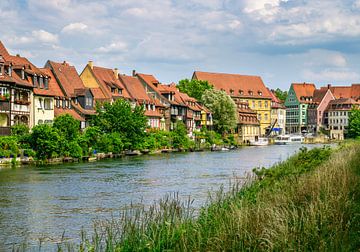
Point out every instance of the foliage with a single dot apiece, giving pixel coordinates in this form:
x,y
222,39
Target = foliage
x,y
157,139
19,130
194,88
45,141
121,118
281,95
179,135
223,110
67,127
354,123
9,146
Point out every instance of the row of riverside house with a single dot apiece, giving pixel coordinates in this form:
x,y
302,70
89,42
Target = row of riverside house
x,y
311,110
30,95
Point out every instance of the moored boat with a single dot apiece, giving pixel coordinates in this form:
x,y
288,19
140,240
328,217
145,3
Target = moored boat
x,y
261,141
288,139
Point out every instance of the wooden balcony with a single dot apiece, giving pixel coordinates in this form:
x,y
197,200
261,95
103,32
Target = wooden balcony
x,y
5,131
22,102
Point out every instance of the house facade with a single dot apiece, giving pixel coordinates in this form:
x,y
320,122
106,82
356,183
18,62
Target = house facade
x,y
278,115
250,89
339,111
299,97
248,126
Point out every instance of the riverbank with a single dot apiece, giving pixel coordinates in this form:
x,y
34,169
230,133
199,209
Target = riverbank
x,y
308,202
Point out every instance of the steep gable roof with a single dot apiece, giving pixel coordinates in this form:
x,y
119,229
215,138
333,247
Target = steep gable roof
x,y
304,90
53,86
67,76
106,78
235,84
134,88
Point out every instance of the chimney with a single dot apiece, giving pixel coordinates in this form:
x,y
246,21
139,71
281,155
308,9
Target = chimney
x,y
65,63
90,63
328,86
17,55
116,73
133,73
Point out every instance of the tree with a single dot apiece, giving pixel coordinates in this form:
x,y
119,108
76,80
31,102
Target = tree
x,y
281,95
179,136
45,140
354,123
67,126
223,110
194,88
121,118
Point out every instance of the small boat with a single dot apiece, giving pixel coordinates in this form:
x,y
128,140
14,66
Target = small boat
x,y
288,139
259,141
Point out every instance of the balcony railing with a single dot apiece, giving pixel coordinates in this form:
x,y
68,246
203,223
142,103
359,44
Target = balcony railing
x,y
22,102
4,131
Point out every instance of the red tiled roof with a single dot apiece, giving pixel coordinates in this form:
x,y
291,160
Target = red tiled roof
x,y
72,112
54,89
135,88
67,76
80,109
319,94
344,101
152,113
98,94
106,77
232,84
303,90
341,91
355,91
3,51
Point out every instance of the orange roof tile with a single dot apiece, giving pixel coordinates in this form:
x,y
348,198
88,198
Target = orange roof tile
x,y
72,112
81,110
53,90
304,90
341,91
235,84
106,78
135,88
152,113
67,76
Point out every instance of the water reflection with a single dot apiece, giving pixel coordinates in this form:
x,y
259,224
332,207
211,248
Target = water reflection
x,y
44,201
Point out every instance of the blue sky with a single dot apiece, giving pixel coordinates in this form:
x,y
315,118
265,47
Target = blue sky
x,y
282,41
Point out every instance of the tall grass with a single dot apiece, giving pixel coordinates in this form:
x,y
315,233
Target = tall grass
x,y
310,202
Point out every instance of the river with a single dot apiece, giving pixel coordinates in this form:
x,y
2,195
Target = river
x,y
43,202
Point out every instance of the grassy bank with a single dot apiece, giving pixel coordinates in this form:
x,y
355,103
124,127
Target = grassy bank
x,y
309,202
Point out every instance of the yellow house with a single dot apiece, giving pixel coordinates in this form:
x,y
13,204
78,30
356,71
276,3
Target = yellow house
x,y
246,88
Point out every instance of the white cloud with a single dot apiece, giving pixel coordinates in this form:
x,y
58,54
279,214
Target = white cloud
x,y
44,36
330,76
74,27
118,46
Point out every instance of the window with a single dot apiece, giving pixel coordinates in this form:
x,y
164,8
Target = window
x,y
34,80
260,93
48,121
57,103
22,74
63,104
266,116
253,104
47,104
241,92
231,91
88,101
46,83
250,92
259,104
120,91
259,117
40,121
266,104
112,90
41,82
4,91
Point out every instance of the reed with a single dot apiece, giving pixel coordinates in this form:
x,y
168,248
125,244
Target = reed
x,y
311,202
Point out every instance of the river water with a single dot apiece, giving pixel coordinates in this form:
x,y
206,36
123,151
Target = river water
x,y
43,202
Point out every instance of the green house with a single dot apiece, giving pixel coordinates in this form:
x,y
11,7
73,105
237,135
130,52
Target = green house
x,y
299,97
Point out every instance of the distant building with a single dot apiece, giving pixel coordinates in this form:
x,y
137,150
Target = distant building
x,y
248,126
339,111
278,115
299,97
250,89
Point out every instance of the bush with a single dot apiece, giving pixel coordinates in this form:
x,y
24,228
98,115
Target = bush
x,y
45,140
9,146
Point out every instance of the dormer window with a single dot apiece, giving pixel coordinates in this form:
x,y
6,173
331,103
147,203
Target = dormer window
x,y
112,90
41,82
46,83
119,90
251,92
35,80
241,92
231,91
260,93
10,70
22,74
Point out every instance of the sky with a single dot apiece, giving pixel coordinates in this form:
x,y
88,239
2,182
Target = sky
x,y
283,41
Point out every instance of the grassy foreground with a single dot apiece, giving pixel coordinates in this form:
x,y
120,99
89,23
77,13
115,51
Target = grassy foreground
x,y
309,202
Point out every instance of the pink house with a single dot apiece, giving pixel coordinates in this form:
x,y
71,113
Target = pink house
x,y
322,96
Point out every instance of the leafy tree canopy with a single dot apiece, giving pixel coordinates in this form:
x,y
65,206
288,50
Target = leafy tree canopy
x,y
354,123
45,140
119,117
194,88
281,95
67,126
223,109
